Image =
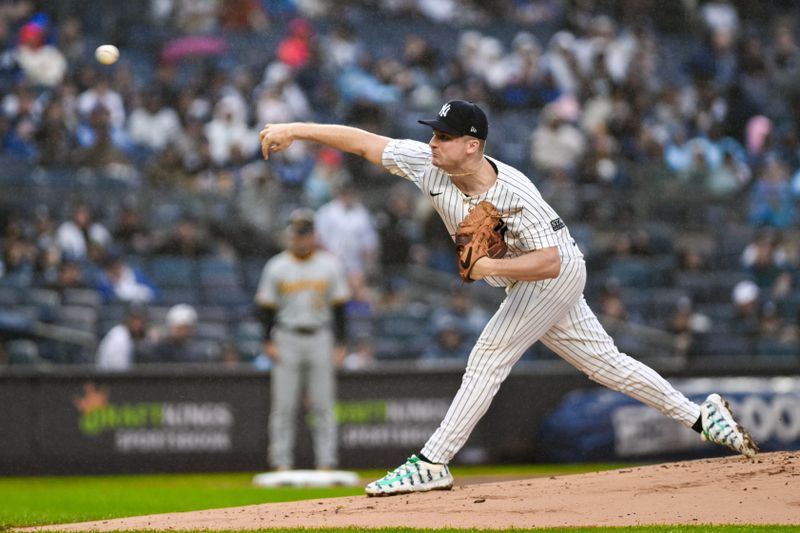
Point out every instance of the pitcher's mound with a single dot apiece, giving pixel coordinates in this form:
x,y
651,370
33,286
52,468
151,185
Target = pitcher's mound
x,y
730,490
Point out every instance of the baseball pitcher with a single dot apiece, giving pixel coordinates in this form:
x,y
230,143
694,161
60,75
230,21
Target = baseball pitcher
x,y
507,235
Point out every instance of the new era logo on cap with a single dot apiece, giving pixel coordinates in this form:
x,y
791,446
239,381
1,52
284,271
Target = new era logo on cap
x,y
458,117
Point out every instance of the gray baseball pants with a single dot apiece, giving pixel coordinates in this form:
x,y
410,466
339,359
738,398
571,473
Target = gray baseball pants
x,y
303,359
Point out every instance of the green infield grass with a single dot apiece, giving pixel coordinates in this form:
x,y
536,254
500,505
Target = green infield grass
x,y
30,501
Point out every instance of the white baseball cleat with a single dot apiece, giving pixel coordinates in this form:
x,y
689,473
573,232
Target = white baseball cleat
x,y
720,427
415,475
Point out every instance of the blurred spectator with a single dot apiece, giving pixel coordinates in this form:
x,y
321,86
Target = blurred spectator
x,y
168,170
175,346
42,63
243,15
54,137
556,143
228,133
686,324
71,39
693,259
196,16
69,275
731,177
720,15
279,97
613,306
101,95
103,145
460,310
230,356
362,356
19,249
153,124
561,65
130,233
562,193
295,49
771,202
18,123
746,313
327,176
397,227
345,228
784,58
81,237
341,46
765,260
117,349
188,239
449,342
119,281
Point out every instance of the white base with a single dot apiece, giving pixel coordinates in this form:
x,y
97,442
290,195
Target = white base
x,y
307,478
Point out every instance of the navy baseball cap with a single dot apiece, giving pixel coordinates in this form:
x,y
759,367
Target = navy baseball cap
x,y
458,117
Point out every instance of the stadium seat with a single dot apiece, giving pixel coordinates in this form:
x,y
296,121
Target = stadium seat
x,y
631,272
207,349
78,317
398,334
22,352
251,270
217,272
250,330
725,344
228,296
215,313
84,297
179,295
173,271
10,296
216,331
773,348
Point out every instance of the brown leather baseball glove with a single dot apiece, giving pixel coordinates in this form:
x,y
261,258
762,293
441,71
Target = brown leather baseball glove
x,y
480,234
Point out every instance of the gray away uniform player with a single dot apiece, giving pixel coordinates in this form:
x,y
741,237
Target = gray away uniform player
x,y
301,296
543,275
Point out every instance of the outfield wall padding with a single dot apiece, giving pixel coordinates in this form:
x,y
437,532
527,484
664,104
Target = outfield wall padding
x,y
196,419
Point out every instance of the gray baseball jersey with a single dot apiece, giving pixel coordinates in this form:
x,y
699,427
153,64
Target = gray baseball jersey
x,y
551,310
302,291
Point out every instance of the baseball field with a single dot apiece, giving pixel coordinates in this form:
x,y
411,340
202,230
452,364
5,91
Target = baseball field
x,y
724,494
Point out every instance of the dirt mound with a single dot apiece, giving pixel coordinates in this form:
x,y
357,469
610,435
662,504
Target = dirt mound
x,y
730,490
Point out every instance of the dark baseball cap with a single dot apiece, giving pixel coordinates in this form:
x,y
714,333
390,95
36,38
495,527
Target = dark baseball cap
x,y
301,221
458,117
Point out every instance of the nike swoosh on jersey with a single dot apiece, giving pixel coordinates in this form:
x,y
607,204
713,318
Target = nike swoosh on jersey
x,y
466,261
435,193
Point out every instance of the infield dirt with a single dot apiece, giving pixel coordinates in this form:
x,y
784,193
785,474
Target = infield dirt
x,y
730,490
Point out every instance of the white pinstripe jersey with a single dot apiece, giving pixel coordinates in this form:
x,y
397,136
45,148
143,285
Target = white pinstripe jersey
x,y
532,226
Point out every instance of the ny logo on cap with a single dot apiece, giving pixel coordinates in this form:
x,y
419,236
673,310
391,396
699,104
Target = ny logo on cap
x,y
444,110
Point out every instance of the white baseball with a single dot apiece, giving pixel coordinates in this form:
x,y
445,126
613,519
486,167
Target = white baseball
x,y
107,54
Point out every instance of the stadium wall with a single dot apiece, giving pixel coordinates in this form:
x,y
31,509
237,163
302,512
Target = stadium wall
x,y
201,419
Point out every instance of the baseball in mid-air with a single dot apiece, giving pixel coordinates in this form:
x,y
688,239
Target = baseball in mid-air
x,y
107,54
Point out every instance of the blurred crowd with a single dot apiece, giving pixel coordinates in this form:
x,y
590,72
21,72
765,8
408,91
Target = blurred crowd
x,y
669,143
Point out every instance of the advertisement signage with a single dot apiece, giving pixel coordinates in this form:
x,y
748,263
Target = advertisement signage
x,y
602,425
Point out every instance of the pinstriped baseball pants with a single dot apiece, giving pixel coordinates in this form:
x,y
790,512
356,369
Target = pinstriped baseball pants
x,y
554,312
